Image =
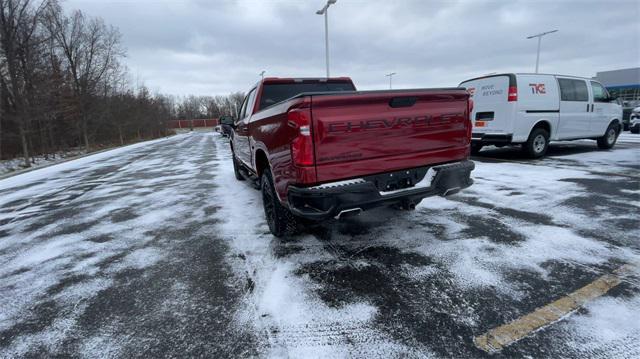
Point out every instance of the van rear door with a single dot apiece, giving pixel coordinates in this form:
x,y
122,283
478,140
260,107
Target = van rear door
x,y
493,105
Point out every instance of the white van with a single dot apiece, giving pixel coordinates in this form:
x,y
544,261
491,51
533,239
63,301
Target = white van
x,y
533,109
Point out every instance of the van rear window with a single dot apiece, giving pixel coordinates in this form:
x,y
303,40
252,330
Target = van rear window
x,y
573,90
274,93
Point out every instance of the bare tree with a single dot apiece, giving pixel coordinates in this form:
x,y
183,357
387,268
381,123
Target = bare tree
x,y
91,50
62,85
20,47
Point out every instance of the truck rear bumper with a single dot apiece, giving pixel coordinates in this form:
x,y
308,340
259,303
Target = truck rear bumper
x,y
352,196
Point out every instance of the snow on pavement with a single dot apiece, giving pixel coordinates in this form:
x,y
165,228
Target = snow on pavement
x,y
90,245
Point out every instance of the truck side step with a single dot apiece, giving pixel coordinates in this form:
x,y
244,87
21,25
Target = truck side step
x,y
255,181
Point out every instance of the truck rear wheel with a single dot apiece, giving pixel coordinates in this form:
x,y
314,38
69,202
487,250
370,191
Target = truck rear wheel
x,y
537,144
281,221
610,137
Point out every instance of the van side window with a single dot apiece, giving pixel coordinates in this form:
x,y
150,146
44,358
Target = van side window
x,y
600,94
573,90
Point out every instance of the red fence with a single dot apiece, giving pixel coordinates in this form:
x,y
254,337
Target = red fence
x,y
193,123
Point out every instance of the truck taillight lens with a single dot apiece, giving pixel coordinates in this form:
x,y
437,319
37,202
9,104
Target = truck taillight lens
x,y
302,144
513,94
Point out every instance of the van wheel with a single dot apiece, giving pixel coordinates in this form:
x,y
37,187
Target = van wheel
x,y
236,168
610,137
475,148
281,221
537,144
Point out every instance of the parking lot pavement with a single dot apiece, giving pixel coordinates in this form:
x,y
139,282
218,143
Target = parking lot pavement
x,y
157,250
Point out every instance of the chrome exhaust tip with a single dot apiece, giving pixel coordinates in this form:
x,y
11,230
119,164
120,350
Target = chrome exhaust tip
x,y
451,191
348,213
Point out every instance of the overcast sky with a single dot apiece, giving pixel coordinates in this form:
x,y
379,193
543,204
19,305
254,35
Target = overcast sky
x,y
216,47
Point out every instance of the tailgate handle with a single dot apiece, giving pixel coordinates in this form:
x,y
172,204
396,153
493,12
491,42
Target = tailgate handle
x,y
402,101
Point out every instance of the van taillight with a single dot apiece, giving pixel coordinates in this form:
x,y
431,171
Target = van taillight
x,y
513,94
302,145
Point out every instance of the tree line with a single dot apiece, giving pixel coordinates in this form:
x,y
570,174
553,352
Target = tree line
x,y
63,84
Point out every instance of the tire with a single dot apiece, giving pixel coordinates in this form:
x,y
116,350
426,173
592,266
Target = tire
x,y
475,148
635,129
236,168
537,143
282,223
610,137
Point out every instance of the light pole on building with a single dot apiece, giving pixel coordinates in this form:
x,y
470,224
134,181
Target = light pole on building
x,y
390,76
325,11
539,36
262,74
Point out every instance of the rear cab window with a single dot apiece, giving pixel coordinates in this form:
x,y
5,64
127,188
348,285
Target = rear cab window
x,y
273,93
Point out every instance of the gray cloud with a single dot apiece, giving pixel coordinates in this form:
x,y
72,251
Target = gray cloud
x,y
215,47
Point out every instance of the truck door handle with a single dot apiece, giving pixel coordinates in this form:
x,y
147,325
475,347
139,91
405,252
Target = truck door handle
x,y
591,107
587,107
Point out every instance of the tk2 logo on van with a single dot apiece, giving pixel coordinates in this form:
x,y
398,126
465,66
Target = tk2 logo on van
x,y
538,89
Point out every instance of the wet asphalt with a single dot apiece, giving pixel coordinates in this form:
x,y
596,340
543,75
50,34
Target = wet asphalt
x,y
147,268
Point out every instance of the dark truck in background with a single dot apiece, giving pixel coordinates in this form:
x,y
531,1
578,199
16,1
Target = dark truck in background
x,y
319,149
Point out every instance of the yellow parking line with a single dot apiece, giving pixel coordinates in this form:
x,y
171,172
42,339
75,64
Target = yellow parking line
x,y
498,338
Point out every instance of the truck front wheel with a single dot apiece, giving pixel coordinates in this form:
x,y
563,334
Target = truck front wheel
x,y
281,221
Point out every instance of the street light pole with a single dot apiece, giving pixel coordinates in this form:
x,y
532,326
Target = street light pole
x,y
325,11
390,77
539,36
262,74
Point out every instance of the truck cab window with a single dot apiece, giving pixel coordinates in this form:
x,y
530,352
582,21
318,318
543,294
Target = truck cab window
x,y
275,93
247,106
242,108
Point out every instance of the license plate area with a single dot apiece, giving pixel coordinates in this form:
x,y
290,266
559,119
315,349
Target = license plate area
x,y
398,180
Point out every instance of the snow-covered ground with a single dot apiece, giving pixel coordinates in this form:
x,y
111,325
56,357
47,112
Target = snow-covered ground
x,y
628,137
156,250
17,164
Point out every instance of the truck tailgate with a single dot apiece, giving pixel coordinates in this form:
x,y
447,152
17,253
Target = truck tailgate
x,y
381,131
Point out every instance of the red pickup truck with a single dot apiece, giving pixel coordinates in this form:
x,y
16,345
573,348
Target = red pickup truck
x,y
319,149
